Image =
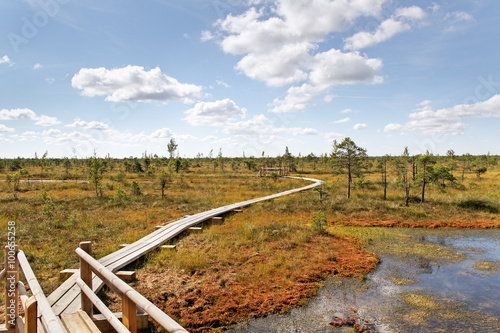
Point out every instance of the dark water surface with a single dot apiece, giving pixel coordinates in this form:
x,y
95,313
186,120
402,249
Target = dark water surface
x,y
412,294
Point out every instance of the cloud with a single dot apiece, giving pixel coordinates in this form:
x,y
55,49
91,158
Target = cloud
x,y
341,121
457,17
46,121
132,83
162,133
447,121
277,67
228,116
329,69
19,114
297,99
358,127
93,125
346,111
52,132
261,129
222,84
457,20
399,22
206,35
16,114
37,66
335,67
5,129
279,42
6,60
214,113
330,136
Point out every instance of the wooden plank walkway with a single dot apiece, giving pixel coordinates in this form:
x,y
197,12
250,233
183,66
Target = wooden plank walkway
x,y
66,298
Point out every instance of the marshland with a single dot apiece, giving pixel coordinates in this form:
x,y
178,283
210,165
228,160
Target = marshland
x,y
300,261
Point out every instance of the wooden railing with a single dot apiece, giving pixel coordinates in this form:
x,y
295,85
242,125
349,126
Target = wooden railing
x,y
35,307
130,298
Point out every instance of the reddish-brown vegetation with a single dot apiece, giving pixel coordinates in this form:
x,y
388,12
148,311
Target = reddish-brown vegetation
x,y
223,294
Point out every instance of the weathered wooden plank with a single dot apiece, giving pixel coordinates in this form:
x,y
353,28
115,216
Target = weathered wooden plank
x,y
88,322
105,327
76,323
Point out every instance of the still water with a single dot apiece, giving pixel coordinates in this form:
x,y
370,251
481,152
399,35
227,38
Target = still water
x,y
411,294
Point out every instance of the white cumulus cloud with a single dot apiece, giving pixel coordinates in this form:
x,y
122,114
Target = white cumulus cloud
x,y
6,60
341,121
400,21
214,113
92,125
358,127
278,42
132,83
18,114
5,129
46,121
449,121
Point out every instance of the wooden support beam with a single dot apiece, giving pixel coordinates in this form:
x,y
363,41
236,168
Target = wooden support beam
x,y
129,311
217,220
196,229
127,276
86,276
31,315
66,273
169,247
239,210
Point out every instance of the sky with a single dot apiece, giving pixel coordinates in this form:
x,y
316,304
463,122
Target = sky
x,y
248,77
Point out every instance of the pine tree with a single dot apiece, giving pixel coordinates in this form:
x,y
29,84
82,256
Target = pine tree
x,y
348,158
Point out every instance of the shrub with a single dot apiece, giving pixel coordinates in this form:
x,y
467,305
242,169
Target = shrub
x,y
120,195
135,189
479,205
319,222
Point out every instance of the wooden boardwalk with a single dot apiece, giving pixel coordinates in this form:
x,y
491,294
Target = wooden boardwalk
x,y
66,299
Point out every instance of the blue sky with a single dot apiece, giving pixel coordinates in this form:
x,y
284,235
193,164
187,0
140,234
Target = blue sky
x,y
247,77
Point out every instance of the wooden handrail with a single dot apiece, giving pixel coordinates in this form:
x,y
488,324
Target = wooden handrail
x,y
111,279
110,317
48,318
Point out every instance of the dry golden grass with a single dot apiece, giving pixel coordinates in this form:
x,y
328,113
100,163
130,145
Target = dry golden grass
x,y
271,244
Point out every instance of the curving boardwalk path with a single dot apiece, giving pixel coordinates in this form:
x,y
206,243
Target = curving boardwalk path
x,y
66,298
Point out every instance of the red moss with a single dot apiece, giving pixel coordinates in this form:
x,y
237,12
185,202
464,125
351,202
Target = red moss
x,y
208,306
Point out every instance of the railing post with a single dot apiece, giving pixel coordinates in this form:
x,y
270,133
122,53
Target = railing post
x,y
31,315
11,291
86,276
129,314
